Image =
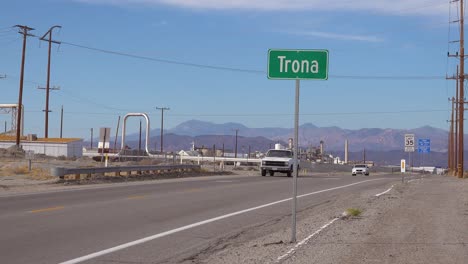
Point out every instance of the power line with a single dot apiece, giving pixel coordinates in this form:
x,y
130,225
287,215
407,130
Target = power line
x,y
313,114
7,28
268,114
225,68
206,66
80,99
388,77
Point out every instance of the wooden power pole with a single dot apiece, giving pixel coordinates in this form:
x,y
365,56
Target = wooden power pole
x,y
162,124
47,88
460,100
23,31
461,105
450,143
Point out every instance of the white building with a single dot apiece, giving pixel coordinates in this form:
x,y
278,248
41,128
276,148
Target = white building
x,y
55,147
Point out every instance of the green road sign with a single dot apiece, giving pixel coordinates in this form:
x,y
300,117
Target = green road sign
x,y
298,64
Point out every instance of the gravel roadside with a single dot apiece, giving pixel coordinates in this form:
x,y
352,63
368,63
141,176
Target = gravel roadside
x,y
422,221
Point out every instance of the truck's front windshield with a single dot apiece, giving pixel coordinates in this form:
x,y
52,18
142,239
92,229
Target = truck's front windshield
x,y
279,153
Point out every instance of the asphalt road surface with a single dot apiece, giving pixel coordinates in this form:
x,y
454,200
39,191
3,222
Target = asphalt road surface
x,y
156,222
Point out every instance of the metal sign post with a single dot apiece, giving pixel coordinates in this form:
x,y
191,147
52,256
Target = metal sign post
x,y
29,155
424,146
409,145
297,65
296,171
409,142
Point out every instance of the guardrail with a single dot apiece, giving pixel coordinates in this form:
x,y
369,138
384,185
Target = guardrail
x,y
178,157
218,159
62,172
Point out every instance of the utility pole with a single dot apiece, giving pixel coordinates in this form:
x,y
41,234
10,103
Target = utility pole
x,y
116,134
364,156
450,139
47,88
162,123
460,101
23,30
61,122
455,140
46,110
139,141
461,91
91,138
235,151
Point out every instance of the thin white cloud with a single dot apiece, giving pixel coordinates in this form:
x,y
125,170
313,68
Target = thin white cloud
x,y
392,7
160,23
328,35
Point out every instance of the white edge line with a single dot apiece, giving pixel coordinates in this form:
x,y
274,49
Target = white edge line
x,y
169,232
382,193
414,180
305,240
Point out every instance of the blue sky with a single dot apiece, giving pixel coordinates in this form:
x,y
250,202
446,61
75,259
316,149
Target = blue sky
x,y
366,40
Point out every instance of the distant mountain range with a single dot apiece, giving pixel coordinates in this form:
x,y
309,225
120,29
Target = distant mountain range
x,y
384,146
375,139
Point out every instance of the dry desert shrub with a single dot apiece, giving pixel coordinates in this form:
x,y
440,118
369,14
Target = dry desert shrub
x,y
40,174
148,162
9,170
34,174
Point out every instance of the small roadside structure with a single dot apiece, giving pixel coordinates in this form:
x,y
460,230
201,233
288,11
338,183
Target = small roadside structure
x,y
55,147
191,153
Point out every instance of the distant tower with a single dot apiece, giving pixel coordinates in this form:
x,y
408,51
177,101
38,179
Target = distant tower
x,y
321,148
193,146
290,143
346,152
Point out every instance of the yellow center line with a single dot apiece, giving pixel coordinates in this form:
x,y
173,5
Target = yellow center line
x,y
47,209
136,197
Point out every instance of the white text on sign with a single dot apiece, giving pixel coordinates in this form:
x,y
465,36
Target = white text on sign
x,y
295,66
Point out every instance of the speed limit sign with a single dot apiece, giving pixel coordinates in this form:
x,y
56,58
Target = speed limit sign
x,y
409,142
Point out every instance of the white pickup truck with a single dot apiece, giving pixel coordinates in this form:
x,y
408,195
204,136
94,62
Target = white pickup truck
x,y
277,160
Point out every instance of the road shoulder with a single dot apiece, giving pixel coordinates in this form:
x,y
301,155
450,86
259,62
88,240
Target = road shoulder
x,y
422,221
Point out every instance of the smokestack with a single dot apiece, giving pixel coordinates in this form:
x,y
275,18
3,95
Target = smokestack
x,y
346,152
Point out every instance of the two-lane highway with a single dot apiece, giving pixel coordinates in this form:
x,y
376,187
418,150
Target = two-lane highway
x,y
155,222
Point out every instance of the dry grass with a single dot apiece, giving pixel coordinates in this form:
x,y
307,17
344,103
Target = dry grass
x,y
23,170
353,212
40,174
13,170
148,162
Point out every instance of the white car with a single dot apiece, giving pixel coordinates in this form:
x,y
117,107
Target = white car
x,y
360,169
